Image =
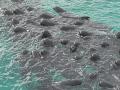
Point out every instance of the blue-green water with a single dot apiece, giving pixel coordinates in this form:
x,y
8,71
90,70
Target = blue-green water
x,y
103,11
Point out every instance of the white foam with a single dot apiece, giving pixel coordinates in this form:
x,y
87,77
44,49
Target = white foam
x,y
1,12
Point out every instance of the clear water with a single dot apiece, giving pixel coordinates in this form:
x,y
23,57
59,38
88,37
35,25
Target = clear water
x,y
103,11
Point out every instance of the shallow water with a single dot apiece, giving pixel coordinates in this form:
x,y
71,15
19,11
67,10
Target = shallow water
x,y
103,11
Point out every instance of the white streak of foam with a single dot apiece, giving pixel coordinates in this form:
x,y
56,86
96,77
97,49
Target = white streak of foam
x,y
1,12
117,78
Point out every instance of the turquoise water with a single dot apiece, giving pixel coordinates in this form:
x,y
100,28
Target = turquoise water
x,y
103,11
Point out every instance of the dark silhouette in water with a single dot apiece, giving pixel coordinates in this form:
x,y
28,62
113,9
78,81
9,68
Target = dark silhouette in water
x,y
7,12
46,34
47,23
18,30
15,21
116,65
29,8
67,28
64,42
118,35
105,84
104,45
46,16
18,12
17,1
84,33
79,23
47,42
59,10
73,82
95,57
74,47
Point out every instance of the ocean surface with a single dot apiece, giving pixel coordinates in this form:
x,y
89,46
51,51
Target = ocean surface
x,y
102,11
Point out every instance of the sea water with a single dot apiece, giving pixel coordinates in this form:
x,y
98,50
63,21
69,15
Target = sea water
x,y
102,11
